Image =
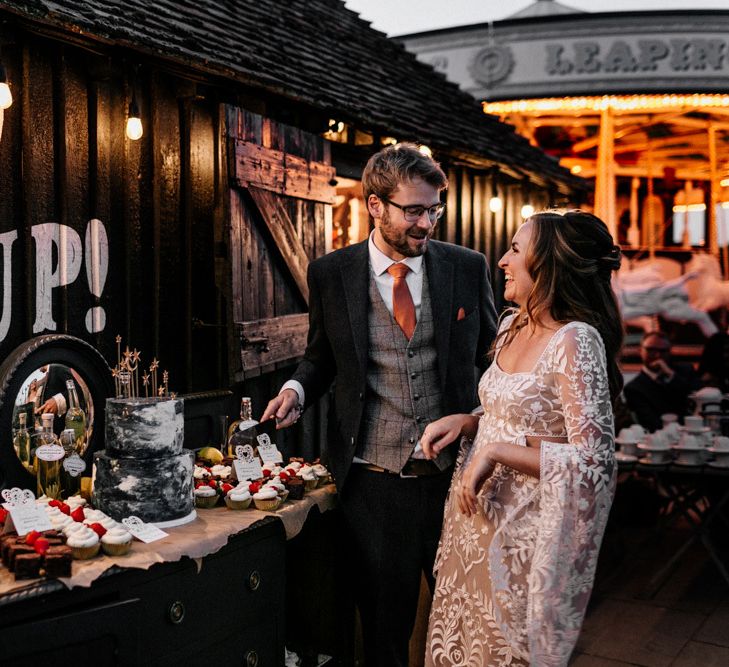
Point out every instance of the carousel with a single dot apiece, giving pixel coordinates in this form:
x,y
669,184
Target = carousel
x,y
636,103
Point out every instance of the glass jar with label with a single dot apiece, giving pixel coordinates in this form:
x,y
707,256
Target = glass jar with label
x,y
48,457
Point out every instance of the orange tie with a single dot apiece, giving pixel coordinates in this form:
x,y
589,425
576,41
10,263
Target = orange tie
x,y
403,307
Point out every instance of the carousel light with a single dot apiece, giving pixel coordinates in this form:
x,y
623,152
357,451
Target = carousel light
x,y
576,169
134,121
527,211
336,126
495,204
724,183
615,102
6,97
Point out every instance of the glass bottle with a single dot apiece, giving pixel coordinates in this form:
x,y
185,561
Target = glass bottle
x,y
72,465
243,431
75,417
48,457
21,441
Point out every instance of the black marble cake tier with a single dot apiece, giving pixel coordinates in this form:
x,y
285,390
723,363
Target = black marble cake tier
x,y
143,428
155,490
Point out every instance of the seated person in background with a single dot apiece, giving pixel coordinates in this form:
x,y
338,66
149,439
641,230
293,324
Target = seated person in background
x,y
714,362
660,386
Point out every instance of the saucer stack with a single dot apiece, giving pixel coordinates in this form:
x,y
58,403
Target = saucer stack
x,y
656,449
627,441
720,450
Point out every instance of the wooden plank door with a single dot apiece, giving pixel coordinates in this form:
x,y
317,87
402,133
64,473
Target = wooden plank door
x,y
281,196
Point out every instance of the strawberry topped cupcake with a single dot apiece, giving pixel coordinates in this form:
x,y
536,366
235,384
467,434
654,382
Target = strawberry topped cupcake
x,y
84,543
206,497
266,500
238,498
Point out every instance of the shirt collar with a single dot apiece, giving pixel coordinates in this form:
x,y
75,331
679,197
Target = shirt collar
x,y
651,374
380,262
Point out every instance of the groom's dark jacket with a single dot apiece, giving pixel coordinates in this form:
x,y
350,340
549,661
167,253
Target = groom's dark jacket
x,y
464,320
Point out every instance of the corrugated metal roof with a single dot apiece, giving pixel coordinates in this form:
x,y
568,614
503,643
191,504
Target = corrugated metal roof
x,y
315,51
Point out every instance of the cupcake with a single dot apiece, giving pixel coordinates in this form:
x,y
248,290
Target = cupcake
x,y
95,515
84,543
75,501
266,499
116,541
322,474
278,486
307,474
221,472
238,498
206,497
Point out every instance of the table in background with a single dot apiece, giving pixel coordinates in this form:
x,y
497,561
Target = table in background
x,y
700,494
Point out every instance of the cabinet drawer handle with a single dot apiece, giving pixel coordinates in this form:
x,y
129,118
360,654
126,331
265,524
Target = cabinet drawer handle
x,y
251,658
254,581
176,612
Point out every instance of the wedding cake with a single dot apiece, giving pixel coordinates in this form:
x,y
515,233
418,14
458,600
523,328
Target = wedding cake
x,y
144,470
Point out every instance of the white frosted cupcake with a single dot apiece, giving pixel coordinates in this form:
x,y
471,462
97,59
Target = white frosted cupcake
x,y
116,541
84,543
238,499
279,487
94,516
221,471
201,473
322,474
267,499
307,474
62,520
43,500
206,497
73,527
75,501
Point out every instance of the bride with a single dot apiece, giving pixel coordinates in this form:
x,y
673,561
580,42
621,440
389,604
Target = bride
x,y
535,474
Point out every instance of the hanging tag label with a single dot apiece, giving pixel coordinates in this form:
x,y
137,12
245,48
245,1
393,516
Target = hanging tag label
x,y
50,452
74,465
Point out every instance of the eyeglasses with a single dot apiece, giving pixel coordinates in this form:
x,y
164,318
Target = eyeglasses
x,y
415,212
656,350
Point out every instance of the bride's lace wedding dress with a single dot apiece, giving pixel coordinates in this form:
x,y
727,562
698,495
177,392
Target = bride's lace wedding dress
x,y
514,579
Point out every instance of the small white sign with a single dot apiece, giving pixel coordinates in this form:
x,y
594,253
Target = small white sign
x,y
144,532
74,465
25,515
267,450
247,465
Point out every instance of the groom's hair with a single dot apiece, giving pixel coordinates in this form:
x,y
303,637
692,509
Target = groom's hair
x,y
397,164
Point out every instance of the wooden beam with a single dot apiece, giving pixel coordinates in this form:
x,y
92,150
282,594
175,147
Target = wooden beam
x,y
284,234
272,340
283,173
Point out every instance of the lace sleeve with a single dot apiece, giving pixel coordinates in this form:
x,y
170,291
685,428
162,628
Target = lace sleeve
x,y
576,489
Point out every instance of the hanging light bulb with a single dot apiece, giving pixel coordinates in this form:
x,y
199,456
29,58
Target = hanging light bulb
x,y
425,150
495,204
6,97
527,211
134,121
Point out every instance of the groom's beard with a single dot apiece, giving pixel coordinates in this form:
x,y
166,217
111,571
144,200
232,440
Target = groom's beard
x,y
398,238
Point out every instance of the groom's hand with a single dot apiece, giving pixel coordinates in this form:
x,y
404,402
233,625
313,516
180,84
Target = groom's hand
x,y
284,408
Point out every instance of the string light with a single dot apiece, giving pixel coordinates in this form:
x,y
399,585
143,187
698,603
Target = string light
x,y
6,97
495,203
614,102
527,211
134,121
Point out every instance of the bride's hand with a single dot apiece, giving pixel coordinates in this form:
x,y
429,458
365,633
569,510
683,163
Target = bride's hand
x,y
440,434
476,473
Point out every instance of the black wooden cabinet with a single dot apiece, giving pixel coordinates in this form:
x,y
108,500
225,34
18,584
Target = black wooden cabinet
x,y
231,611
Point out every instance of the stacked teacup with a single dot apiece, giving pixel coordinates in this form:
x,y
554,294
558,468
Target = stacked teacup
x,y
720,450
656,449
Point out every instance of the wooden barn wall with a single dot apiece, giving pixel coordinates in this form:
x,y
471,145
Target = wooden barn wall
x,y
65,160
469,221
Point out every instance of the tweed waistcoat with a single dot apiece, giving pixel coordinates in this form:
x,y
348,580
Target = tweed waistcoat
x,y
403,384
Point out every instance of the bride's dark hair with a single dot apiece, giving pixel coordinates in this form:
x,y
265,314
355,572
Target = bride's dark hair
x,y
571,258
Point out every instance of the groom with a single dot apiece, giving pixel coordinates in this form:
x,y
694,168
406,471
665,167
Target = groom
x,y
401,322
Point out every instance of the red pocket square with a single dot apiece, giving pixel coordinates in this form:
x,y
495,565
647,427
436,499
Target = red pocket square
x,y
461,315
